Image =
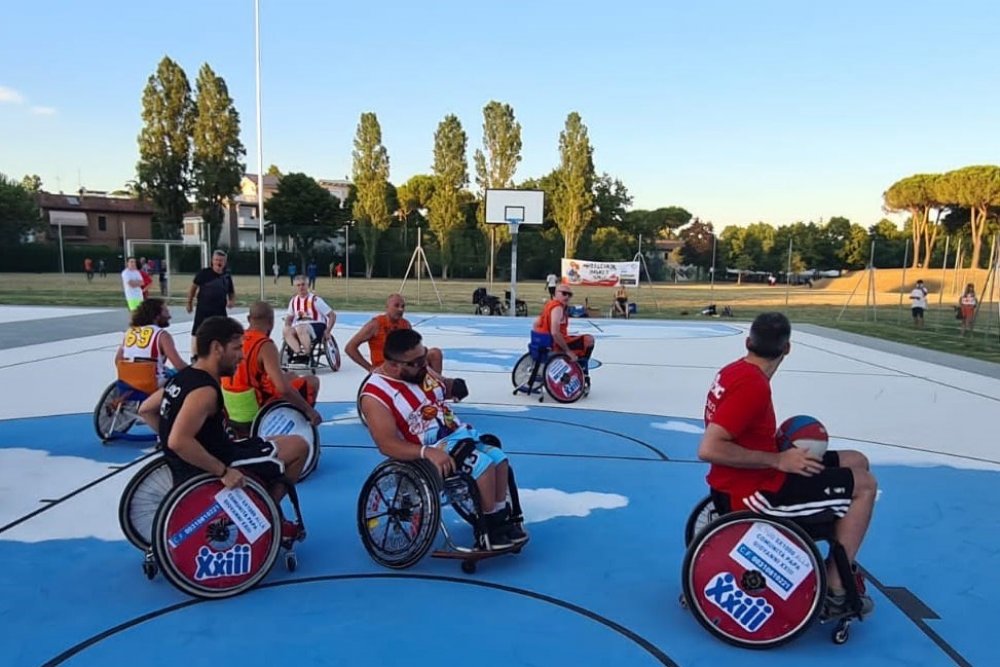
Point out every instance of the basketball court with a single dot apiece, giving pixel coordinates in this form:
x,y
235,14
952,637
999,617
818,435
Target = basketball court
x,y
606,483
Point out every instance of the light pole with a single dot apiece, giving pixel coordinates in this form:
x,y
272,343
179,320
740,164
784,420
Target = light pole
x,y
260,148
347,258
711,288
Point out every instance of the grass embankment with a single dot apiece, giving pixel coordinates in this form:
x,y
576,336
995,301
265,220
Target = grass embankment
x,y
845,303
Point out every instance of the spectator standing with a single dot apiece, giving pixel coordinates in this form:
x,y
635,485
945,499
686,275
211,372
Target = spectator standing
x,y
88,268
132,284
291,273
275,269
918,304
340,270
102,268
310,274
214,289
550,284
967,308
163,277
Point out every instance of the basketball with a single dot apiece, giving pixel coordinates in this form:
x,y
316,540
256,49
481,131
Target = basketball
x,y
805,432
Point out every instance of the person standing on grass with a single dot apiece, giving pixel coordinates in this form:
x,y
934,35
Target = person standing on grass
x,y
311,273
967,308
132,284
550,284
102,268
88,268
918,304
215,291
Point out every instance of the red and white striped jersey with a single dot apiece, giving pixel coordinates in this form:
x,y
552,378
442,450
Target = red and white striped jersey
x,y
422,414
307,309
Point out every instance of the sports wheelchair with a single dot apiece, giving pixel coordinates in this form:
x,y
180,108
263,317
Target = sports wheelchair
x,y
756,581
320,353
487,304
520,305
630,310
399,512
117,411
564,380
209,542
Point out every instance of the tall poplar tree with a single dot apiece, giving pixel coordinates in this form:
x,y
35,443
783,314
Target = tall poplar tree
x,y
371,180
164,167
573,207
216,167
451,173
497,162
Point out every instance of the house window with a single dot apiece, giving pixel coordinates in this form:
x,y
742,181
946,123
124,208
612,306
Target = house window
x,y
102,223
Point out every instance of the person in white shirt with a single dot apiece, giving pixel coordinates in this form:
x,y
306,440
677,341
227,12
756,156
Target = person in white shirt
x,y
132,284
308,317
918,304
550,283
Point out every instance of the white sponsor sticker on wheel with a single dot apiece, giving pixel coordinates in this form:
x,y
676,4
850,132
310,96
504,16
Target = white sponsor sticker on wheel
x,y
244,513
784,564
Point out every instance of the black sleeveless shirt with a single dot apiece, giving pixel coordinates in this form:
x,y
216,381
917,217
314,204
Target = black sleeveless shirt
x,y
212,435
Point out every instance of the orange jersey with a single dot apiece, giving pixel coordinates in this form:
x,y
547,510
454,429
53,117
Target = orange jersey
x,y
250,373
543,323
377,342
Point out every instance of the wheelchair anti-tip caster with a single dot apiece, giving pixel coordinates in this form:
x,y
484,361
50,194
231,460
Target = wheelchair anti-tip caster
x,y
291,562
149,568
842,632
469,566
682,601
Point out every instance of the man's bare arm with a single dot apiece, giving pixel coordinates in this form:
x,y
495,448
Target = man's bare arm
x,y
364,334
198,406
149,411
169,350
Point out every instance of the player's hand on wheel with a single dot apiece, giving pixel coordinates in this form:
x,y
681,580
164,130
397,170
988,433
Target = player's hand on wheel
x,y
445,464
233,478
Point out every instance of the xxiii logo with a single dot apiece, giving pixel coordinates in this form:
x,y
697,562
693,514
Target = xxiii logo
x,y
749,611
214,564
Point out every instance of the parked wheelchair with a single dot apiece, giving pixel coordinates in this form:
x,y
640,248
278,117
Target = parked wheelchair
x,y
322,352
487,304
539,368
520,305
400,512
756,581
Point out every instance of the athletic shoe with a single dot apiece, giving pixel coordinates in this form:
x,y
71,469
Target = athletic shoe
x,y
496,529
516,534
835,606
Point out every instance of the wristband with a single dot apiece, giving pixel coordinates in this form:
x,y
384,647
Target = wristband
x,y
423,448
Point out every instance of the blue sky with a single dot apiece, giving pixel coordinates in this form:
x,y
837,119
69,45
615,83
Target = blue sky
x,y
739,111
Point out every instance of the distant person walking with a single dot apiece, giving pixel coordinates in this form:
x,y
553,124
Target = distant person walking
x,y
967,308
102,268
132,284
163,277
88,268
275,269
291,273
340,270
918,304
550,284
213,287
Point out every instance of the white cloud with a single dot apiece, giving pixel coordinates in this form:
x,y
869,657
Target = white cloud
x,y
544,504
10,95
43,111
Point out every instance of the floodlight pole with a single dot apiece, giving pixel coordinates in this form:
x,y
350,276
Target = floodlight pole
x,y
260,148
62,259
711,288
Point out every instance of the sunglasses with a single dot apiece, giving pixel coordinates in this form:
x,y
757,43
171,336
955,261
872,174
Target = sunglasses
x,y
417,363
569,294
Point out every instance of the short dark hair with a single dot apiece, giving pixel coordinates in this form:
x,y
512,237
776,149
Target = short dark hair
x,y
219,329
146,312
769,335
399,342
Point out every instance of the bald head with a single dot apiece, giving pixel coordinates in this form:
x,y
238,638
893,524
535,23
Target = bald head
x,y
261,316
395,306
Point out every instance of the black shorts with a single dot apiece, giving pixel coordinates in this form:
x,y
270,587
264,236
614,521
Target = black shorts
x,y
200,316
917,312
255,456
818,499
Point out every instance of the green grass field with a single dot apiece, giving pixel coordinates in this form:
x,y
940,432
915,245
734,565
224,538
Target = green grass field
x,y
823,305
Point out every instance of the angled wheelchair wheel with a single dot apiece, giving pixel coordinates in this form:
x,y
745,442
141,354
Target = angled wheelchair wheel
x,y
522,371
703,514
563,378
285,356
462,495
361,386
753,581
210,551
283,418
331,353
140,500
117,411
399,511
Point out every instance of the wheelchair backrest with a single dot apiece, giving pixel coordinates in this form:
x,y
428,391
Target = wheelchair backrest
x,y
479,295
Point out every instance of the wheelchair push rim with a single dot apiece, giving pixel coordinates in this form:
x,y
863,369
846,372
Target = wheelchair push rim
x,y
563,379
200,547
141,499
282,418
752,581
331,353
521,373
361,415
398,514
703,514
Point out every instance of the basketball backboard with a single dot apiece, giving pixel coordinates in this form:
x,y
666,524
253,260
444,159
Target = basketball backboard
x,y
524,207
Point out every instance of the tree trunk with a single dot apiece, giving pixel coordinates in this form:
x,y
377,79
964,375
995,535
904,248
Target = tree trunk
x,y
977,223
917,232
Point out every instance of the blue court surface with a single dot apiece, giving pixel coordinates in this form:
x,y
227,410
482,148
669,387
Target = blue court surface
x,y
606,483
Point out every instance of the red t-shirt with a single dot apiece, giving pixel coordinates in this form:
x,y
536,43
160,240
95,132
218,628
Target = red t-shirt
x,y
740,402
